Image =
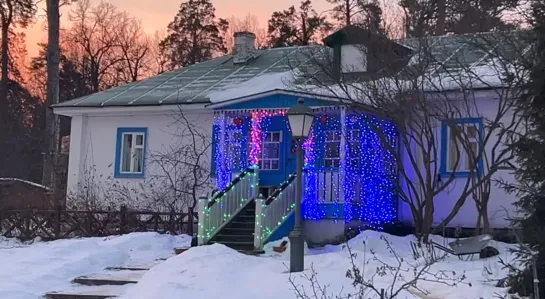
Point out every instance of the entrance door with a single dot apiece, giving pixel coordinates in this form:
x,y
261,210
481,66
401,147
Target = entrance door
x,y
276,160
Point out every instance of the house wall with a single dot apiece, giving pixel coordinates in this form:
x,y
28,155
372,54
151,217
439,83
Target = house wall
x,y
485,106
93,149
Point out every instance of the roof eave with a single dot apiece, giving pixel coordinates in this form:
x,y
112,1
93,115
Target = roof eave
x,y
269,93
114,110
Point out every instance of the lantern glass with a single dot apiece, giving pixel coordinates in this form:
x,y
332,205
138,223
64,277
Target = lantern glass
x,y
300,118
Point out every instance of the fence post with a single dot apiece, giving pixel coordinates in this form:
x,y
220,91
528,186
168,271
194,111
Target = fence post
x,y
203,200
190,221
122,219
259,218
57,224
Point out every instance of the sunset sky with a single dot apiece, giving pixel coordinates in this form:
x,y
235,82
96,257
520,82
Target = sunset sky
x,y
156,14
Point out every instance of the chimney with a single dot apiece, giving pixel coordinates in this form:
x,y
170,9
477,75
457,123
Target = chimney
x,y
244,48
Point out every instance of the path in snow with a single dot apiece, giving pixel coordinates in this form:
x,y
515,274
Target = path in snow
x,y
31,270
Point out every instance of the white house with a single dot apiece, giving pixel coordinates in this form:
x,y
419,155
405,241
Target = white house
x,y
239,103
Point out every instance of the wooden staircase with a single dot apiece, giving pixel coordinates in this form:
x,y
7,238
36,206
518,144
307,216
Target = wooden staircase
x,y
239,232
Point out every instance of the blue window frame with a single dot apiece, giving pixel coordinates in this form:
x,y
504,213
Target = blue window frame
x,y
130,153
456,158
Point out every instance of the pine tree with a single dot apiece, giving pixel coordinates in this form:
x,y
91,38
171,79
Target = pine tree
x,y
365,13
195,35
530,173
438,17
345,10
294,27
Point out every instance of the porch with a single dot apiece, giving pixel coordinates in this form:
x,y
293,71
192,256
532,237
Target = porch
x,y
348,172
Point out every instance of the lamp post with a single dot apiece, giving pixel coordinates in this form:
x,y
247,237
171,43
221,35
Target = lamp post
x,y
300,118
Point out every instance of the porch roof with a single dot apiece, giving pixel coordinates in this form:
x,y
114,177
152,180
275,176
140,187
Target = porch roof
x,y
247,102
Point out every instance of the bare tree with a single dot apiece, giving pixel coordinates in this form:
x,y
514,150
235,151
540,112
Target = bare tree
x,y
182,170
424,97
402,273
159,59
249,23
93,40
134,45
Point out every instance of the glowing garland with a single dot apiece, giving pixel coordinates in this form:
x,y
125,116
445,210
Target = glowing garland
x,y
369,175
368,169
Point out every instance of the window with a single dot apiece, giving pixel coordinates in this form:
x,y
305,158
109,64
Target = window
x,y
332,148
270,151
460,146
130,153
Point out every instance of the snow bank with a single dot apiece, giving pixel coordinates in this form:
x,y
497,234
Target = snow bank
x,y
29,271
219,272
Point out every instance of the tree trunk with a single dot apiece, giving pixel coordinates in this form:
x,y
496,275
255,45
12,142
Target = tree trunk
x,y
484,217
427,222
52,120
304,29
348,13
441,17
5,65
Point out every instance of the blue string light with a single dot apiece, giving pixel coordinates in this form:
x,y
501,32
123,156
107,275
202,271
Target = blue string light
x,y
369,172
368,176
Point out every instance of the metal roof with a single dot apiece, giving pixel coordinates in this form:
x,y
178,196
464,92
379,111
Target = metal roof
x,y
192,84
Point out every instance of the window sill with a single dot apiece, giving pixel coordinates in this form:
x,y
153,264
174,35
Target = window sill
x,y
459,174
129,175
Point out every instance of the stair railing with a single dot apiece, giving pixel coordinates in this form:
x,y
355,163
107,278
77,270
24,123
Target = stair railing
x,y
271,212
216,212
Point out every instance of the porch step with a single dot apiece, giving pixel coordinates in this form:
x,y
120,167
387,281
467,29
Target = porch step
x,y
135,267
241,230
88,292
236,224
239,233
121,277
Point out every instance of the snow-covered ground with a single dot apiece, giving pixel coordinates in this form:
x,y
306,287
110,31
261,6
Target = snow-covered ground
x,y
28,271
218,272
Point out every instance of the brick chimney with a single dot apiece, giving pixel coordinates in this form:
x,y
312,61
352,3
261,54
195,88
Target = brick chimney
x,y
244,48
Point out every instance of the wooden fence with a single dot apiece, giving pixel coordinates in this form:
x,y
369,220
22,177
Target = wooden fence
x,y
60,224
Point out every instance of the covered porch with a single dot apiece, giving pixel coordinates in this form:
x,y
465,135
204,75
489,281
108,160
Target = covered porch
x,y
349,173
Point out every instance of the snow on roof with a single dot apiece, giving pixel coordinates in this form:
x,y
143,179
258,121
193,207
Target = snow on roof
x,y
486,75
26,182
259,84
219,79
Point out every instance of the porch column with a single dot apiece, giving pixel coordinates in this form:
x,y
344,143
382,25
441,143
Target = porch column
x,y
221,174
347,206
342,155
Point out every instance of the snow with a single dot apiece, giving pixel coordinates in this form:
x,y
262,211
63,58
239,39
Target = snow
x,y
30,270
216,271
259,84
26,182
487,75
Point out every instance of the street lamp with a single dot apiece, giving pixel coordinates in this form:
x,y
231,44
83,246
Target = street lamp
x,y
300,118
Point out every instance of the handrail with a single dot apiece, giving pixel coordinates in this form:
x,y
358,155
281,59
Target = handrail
x,y
230,186
271,212
230,200
281,188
